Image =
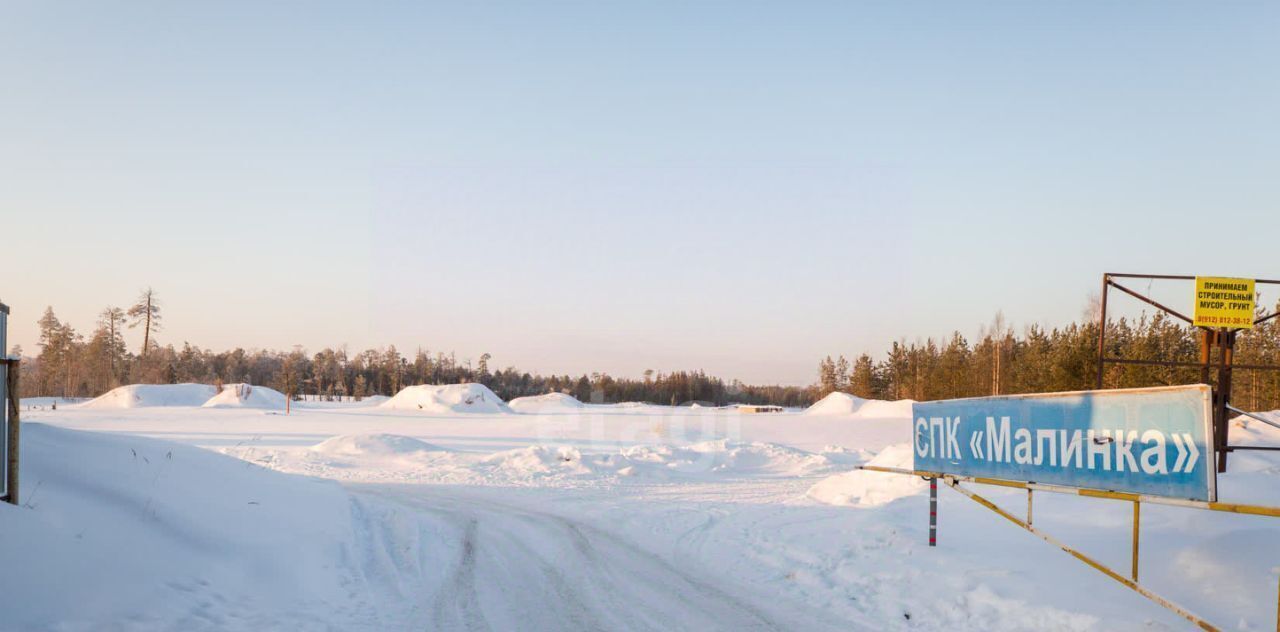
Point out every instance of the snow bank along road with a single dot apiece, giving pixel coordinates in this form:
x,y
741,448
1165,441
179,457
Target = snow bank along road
x,y
574,517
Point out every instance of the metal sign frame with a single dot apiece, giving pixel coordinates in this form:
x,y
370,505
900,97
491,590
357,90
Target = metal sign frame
x,y
1222,337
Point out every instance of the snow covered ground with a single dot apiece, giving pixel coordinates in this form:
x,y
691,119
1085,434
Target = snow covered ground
x,y
575,516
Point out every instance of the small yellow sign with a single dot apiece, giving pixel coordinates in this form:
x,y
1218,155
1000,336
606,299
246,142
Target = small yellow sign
x,y
1224,302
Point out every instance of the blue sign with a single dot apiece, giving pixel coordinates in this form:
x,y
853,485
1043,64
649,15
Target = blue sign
x,y
1152,441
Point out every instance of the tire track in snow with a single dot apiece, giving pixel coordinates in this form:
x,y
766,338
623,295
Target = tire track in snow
x,y
457,606
535,570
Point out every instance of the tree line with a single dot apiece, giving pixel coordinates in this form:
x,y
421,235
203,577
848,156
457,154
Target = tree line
x,y
1040,360
998,361
70,364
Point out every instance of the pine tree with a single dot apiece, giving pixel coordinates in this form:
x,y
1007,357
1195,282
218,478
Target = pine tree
x,y
483,368
145,312
59,369
827,381
862,382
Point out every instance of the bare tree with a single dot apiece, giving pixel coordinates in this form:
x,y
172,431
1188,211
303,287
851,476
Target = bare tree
x,y
145,312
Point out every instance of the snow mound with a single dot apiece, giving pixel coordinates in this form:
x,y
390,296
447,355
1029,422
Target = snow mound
x,y
247,396
861,488
124,525
838,403
882,409
549,403
709,459
537,461
729,458
373,445
453,398
147,395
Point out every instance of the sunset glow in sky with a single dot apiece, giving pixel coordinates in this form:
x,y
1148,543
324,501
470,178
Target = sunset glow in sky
x,y
601,186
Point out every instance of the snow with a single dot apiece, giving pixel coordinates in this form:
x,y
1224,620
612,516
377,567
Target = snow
x,y
146,395
126,532
247,396
453,398
358,516
836,403
48,402
844,404
373,444
861,488
549,403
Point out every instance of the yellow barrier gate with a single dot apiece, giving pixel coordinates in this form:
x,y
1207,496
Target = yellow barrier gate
x,y
1130,582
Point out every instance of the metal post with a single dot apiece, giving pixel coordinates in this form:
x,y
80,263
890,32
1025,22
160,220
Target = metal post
x,y
1029,505
1137,520
933,512
15,426
1227,345
1102,328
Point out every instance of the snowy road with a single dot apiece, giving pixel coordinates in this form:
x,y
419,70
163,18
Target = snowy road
x,y
520,567
617,518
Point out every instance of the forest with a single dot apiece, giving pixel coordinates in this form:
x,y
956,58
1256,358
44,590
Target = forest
x,y
71,364
997,361
1042,360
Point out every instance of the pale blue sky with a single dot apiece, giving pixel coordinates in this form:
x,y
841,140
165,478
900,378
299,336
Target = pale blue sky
x,y
742,187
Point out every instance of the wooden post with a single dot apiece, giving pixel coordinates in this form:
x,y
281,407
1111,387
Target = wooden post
x,y
15,426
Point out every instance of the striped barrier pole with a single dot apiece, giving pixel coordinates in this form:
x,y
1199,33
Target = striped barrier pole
x,y
933,512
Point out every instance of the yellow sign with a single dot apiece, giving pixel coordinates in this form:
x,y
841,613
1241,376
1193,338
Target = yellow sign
x,y
1224,302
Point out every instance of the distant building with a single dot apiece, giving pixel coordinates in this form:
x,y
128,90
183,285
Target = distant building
x,y
760,409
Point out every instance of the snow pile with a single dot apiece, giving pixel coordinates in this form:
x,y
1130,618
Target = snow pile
x,y
838,403
247,396
882,409
549,403
861,488
725,458
712,460
147,395
540,461
122,532
373,445
453,398
390,457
